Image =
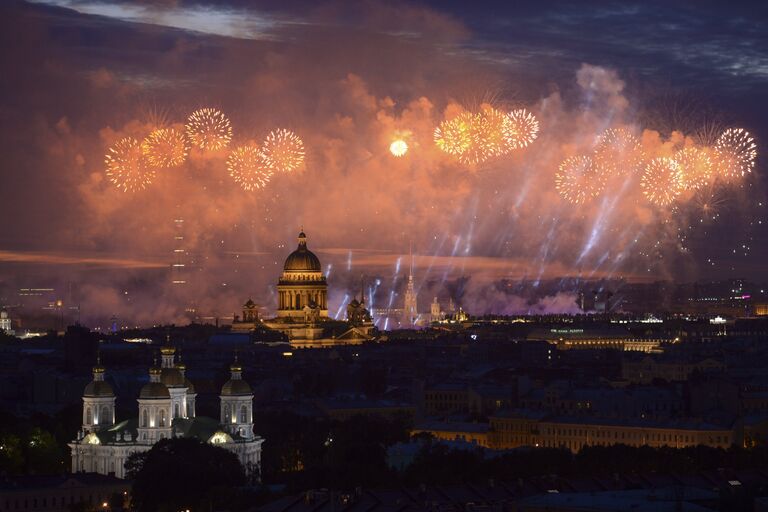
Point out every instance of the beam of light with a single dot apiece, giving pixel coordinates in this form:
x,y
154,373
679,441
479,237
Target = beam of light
x,y
127,167
341,307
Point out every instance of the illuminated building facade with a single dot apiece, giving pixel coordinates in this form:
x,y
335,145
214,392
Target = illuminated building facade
x,y
6,325
302,307
302,289
166,409
526,428
410,304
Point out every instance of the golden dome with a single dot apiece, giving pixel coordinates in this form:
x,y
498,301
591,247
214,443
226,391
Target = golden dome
x,y
236,387
302,259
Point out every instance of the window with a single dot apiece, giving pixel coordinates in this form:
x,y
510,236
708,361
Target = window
x,y
104,417
227,413
176,412
162,417
243,414
88,416
144,418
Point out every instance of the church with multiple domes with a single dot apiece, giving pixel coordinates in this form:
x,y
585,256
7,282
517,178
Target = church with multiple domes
x,y
302,307
166,407
166,403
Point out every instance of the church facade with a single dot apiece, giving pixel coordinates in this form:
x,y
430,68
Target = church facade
x,y
166,409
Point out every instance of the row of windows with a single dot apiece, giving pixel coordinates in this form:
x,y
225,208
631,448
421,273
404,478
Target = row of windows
x,y
55,501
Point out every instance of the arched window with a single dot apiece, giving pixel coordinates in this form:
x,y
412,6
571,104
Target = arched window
x,y
176,412
144,418
243,414
227,413
105,417
162,417
88,416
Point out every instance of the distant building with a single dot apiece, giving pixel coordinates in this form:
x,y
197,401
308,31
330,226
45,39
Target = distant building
x,y
527,428
6,324
302,307
435,313
166,410
410,303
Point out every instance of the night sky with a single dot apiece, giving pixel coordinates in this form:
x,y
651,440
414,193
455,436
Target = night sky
x,y
349,78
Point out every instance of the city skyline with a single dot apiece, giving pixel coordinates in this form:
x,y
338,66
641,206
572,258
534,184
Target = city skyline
x,y
365,203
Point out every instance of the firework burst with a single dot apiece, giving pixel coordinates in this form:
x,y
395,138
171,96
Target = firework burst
x,y
455,136
398,148
662,181
209,129
283,151
735,153
617,152
247,166
496,131
127,167
695,166
523,130
165,147
576,180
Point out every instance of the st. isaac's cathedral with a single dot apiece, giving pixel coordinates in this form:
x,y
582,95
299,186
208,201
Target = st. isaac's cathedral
x,y
166,410
302,307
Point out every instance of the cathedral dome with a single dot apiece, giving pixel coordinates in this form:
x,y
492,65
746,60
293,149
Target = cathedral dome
x,y
172,378
154,390
236,387
98,388
302,259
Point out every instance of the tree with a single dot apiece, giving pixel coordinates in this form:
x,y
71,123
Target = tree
x,y
179,474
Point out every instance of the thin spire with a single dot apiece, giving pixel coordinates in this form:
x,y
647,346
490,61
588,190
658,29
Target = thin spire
x,y
410,255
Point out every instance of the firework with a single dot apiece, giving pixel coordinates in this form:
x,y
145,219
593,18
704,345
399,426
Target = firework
x,y
126,166
662,181
455,136
695,166
209,129
165,147
398,148
495,131
247,166
735,153
576,180
617,150
283,150
709,201
523,130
